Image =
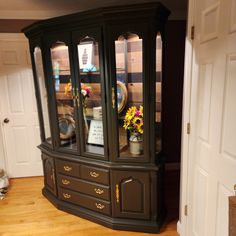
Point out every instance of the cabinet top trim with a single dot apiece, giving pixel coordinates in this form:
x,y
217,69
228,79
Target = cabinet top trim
x,y
154,9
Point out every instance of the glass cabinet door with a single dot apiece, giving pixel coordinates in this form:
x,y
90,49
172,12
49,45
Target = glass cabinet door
x,y
158,103
91,96
129,95
64,95
37,55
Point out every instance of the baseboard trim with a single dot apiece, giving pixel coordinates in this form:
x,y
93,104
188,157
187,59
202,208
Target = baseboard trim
x,y
180,229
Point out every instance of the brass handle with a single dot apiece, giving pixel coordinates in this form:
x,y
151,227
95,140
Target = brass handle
x,y
99,206
65,181
99,191
78,97
117,193
66,195
53,176
74,97
93,174
67,168
113,98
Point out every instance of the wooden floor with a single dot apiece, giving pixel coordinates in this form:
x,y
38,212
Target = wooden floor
x,y
26,212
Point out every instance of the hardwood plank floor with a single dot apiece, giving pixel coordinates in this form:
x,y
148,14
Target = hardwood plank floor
x,y
25,212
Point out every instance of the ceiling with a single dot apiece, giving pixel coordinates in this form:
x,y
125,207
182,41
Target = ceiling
x,y
41,9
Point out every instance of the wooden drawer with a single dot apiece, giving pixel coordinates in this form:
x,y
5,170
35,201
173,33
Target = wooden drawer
x,y
93,189
67,168
94,174
86,201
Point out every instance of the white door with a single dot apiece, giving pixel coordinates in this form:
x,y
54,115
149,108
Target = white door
x,y
212,153
19,120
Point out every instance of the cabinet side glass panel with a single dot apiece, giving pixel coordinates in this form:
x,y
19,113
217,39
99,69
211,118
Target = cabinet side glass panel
x,y
91,95
43,92
129,79
158,103
64,95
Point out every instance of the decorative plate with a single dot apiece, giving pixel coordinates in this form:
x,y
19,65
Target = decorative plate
x,y
122,96
66,126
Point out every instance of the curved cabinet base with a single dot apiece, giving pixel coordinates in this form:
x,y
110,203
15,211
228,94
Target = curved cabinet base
x,y
113,223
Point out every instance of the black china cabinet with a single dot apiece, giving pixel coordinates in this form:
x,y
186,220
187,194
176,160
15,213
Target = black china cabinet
x,y
98,82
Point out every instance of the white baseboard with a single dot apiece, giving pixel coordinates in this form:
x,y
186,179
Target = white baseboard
x,y
180,229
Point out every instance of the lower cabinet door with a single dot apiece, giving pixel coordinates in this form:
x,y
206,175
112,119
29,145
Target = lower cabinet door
x,y
131,194
49,174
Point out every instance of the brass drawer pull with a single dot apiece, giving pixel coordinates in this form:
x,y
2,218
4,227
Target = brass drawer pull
x,y
67,168
117,193
99,206
93,174
99,191
65,181
53,177
66,195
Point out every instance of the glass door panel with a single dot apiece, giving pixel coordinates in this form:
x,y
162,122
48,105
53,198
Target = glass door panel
x,y
43,93
91,95
129,79
65,95
158,104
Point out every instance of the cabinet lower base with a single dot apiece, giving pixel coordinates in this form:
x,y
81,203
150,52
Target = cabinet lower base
x,y
114,223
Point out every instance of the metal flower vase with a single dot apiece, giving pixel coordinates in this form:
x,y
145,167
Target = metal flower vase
x,y
136,144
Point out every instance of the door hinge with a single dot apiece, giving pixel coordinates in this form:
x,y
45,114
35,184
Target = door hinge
x,y
192,32
188,128
185,210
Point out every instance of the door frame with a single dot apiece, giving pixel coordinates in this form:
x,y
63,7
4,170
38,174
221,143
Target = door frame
x,y
188,110
6,37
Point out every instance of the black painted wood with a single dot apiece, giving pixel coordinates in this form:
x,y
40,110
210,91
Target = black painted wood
x,y
131,194
49,174
122,193
86,187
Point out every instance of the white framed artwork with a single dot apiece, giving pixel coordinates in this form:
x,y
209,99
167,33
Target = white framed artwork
x,y
96,132
85,52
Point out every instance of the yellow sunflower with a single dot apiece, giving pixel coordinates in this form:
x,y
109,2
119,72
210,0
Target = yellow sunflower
x,y
130,113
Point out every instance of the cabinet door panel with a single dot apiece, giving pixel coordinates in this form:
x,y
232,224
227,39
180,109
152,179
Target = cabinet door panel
x,y
129,88
88,64
49,174
131,194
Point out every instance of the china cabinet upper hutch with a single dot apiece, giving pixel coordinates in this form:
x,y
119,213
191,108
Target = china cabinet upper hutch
x,y
98,82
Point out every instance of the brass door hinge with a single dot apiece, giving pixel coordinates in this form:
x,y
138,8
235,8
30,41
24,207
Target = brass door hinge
x,y
188,128
193,32
185,210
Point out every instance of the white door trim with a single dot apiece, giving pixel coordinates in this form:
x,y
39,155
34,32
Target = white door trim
x,y
186,118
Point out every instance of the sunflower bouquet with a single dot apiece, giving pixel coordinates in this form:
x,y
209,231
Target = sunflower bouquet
x,y
134,120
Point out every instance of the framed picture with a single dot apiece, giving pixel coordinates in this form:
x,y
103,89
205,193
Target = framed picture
x,y
85,55
96,132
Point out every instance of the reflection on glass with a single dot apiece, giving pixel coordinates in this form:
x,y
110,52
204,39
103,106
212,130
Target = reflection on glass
x,y
43,92
129,76
64,92
90,77
158,92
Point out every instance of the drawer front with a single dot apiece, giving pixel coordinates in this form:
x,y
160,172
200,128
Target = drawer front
x,y
94,174
86,201
93,189
67,168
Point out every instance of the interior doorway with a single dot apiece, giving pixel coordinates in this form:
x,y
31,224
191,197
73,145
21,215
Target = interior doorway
x,y
19,119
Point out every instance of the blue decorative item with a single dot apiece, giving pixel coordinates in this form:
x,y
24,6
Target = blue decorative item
x,y
90,68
